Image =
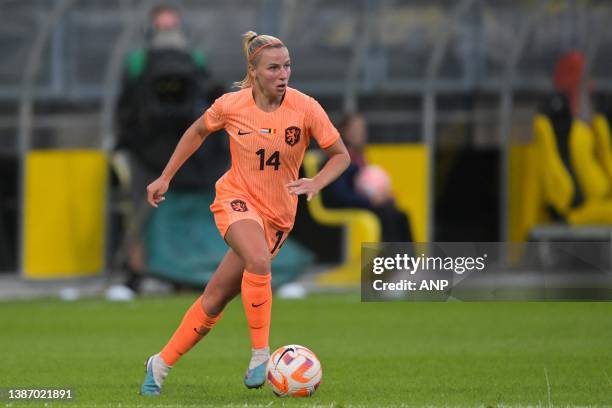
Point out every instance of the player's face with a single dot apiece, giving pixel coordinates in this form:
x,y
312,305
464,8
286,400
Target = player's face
x,y
273,70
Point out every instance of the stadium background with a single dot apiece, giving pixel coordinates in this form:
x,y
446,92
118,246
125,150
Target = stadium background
x,y
450,90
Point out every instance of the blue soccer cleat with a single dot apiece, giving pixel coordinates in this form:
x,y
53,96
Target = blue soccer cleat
x,y
156,372
256,377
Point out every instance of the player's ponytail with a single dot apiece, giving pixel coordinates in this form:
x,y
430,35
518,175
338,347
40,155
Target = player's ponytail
x,y
252,44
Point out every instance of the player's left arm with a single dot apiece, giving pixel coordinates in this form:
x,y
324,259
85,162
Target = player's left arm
x,y
339,161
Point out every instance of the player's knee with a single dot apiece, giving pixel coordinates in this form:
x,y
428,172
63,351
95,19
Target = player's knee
x,y
259,265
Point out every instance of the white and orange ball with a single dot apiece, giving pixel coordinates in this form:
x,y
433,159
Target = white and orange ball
x,y
295,371
373,182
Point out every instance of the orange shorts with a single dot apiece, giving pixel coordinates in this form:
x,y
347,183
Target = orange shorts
x,y
229,210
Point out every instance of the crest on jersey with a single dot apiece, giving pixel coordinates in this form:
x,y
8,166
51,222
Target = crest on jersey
x,y
239,205
292,135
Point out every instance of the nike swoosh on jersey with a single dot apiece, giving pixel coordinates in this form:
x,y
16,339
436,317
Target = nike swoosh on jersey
x,y
240,132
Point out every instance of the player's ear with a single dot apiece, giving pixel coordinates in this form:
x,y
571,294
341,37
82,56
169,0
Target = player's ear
x,y
251,70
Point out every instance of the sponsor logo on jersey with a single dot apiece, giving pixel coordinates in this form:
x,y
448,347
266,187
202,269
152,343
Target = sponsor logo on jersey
x,y
239,205
292,135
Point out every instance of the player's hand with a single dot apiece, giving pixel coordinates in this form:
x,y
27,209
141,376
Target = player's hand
x,y
304,186
156,191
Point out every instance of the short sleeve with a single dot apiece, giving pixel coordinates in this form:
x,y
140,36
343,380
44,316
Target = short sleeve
x,y
214,117
319,125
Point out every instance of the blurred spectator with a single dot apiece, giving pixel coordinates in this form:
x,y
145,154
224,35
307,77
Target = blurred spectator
x,y
165,88
567,78
366,186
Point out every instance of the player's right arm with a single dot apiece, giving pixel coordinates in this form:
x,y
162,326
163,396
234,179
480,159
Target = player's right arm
x,y
191,140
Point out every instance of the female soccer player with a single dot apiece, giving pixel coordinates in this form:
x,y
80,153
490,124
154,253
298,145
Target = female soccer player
x,y
270,126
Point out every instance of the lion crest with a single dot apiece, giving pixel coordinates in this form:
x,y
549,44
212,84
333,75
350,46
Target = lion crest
x,y
292,135
239,205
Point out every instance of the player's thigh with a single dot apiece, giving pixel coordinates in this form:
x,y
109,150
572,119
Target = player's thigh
x,y
246,237
224,285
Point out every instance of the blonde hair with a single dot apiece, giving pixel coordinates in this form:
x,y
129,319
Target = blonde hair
x,y
252,44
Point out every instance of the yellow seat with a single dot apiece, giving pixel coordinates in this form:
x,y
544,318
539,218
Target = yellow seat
x,y
360,226
589,173
603,149
556,181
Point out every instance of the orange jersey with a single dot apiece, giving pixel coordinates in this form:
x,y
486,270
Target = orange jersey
x,y
267,149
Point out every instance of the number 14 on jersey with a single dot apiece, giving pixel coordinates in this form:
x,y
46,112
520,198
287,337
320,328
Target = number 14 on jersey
x,y
273,159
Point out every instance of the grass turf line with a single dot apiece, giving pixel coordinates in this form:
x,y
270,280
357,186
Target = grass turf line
x,y
373,354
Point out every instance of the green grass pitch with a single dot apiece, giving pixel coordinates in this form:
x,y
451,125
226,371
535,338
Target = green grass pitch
x,y
373,354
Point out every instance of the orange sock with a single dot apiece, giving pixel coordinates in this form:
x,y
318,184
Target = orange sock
x,y
195,325
257,302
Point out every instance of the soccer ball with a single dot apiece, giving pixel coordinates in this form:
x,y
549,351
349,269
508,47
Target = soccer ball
x,y
373,182
294,370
